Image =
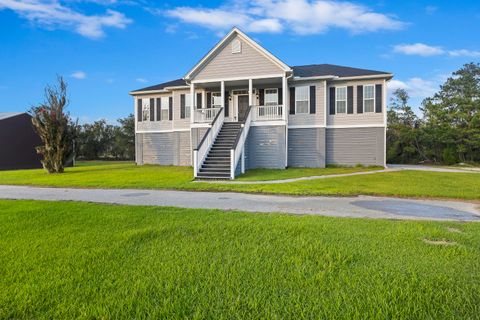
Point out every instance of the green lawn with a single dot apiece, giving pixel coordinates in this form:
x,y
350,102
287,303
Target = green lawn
x,y
127,175
278,174
68,260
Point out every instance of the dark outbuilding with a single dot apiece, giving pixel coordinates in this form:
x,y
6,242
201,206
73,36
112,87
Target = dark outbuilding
x,y
18,140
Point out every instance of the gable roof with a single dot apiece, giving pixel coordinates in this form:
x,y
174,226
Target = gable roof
x,y
162,86
319,70
6,115
249,40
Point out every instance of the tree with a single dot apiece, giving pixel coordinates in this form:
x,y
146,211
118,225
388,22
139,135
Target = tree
x,y
403,132
53,125
452,117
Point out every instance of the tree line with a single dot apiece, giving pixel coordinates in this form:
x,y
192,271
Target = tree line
x,y
448,131
100,140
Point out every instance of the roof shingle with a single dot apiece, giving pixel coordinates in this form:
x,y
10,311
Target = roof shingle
x,y
318,70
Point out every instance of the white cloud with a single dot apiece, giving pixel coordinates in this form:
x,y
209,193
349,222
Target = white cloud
x,y
299,16
142,80
464,53
419,49
431,9
417,88
52,14
79,75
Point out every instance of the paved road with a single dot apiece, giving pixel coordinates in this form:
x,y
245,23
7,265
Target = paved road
x,y
390,168
359,207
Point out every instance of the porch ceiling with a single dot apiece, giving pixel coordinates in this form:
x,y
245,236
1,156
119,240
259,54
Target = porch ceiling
x,y
236,84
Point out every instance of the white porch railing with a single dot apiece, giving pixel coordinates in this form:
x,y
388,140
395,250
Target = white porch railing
x,y
205,114
266,113
238,149
200,153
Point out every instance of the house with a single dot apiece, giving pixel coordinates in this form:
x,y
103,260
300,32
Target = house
x,y
240,107
18,140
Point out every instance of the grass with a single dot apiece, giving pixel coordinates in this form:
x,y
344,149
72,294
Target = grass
x,y
69,260
420,184
289,173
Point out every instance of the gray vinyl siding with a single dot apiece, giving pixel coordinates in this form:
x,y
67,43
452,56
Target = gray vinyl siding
x,y
169,148
306,147
183,155
265,147
197,136
248,63
158,148
351,146
138,149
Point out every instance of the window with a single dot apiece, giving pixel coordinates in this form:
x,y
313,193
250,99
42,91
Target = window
x,y
216,100
369,98
145,109
236,46
301,100
271,97
341,99
188,103
165,102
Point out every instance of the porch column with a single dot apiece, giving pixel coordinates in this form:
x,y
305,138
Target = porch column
x,y
250,92
192,102
284,97
222,95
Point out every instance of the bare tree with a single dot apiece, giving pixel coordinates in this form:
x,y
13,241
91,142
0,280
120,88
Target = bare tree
x,y
52,124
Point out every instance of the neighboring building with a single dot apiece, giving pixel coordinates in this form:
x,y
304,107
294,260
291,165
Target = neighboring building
x,y
240,107
18,140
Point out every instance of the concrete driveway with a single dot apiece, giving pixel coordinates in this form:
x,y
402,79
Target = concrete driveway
x,y
358,207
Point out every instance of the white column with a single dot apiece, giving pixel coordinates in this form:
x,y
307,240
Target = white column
x,y
222,95
192,102
250,92
284,98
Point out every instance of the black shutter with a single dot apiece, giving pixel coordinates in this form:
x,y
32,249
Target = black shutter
x,y
159,110
313,100
170,108
280,96
226,104
292,100
349,99
199,101
378,98
182,106
332,100
139,110
152,109
261,97
359,99
209,100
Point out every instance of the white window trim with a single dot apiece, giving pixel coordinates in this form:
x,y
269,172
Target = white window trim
x,y
308,100
162,107
265,94
374,98
187,107
336,99
212,97
144,108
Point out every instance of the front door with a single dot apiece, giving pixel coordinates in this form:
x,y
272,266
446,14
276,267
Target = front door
x,y
242,104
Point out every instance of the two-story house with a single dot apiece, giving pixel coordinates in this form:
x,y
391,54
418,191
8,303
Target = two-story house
x,y
240,107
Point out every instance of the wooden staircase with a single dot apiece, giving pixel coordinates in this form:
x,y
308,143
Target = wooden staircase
x,y
217,162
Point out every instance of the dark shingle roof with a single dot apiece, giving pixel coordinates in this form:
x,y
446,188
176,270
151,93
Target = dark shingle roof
x,y
311,70
318,70
173,83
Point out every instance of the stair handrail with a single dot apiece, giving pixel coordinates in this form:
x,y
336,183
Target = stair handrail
x,y
202,149
238,147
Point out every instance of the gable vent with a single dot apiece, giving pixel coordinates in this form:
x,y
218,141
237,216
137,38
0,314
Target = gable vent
x,y
236,46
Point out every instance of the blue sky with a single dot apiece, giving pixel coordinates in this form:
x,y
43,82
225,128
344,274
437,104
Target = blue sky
x,y
105,48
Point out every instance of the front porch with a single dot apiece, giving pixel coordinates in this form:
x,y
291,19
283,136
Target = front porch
x,y
265,97
217,104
